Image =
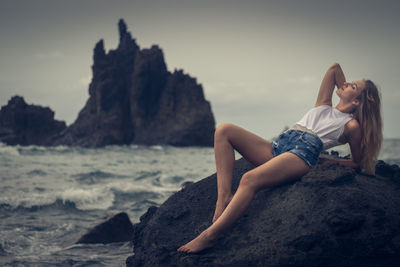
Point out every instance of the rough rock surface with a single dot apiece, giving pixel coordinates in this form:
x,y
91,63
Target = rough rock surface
x,y
333,216
133,98
2,251
25,124
117,229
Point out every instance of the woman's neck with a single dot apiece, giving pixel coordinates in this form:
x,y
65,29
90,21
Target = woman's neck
x,y
345,107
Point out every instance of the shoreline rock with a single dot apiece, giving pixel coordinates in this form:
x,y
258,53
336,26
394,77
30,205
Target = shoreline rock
x,y
116,229
333,216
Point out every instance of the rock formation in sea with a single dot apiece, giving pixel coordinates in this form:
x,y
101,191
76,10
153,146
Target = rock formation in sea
x,y
24,124
332,216
133,98
116,229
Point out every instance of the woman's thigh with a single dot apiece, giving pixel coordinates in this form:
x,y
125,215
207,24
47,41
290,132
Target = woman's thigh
x,y
281,169
252,147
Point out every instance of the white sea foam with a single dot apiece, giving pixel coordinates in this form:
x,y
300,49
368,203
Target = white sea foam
x,y
61,147
28,200
89,198
8,150
84,198
32,147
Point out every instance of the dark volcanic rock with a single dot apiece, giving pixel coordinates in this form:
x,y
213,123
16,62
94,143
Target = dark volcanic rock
x,y
135,99
2,251
25,124
333,216
117,229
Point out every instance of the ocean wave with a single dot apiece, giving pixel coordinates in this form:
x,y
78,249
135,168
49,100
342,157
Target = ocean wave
x,y
90,198
34,149
94,176
156,147
60,149
146,174
83,197
36,172
57,204
31,149
107,196
136,200
174,179
93,198
8,150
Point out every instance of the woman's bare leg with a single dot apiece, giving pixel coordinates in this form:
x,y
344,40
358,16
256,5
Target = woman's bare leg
x,y
224,161
227,138
278,170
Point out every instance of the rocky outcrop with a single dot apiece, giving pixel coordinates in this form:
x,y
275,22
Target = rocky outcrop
x,y
2,251
116,229
333,216
135,99
25,124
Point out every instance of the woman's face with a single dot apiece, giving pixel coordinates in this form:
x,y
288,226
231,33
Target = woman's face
x,y
349,91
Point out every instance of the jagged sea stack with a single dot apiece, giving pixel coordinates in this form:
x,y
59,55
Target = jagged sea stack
x,y
24,124
135,99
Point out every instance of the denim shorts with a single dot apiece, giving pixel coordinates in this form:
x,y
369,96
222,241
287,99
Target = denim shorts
x,y
305,145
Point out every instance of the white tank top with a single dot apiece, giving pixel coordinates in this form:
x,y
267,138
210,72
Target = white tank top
x,y
327,122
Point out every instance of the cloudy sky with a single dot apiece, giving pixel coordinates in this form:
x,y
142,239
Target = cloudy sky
x,y
260,62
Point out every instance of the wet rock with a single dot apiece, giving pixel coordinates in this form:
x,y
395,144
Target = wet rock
x,y
117,229
332,216
2,251
388,170
24,124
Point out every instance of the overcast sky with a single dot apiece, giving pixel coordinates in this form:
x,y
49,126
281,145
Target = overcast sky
x,y
260,62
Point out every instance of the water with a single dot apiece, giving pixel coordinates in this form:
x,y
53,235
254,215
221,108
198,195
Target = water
x,y
49,197
390,151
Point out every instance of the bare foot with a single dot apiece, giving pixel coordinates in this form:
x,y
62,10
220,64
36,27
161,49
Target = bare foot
x,y
220,207
201,242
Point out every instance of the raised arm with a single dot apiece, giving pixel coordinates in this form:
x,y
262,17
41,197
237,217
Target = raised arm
x,y
333,76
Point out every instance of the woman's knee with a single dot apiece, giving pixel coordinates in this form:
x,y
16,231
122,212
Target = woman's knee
x,y
249,180
223,131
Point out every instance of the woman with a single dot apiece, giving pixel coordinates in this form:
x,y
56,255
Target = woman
x,y
355,120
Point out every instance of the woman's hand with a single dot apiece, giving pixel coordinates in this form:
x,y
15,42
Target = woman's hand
x,y
333,76
340,80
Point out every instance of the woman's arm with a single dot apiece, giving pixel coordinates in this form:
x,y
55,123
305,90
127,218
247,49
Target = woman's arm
x,y
333,76
346,162
353,133
339,76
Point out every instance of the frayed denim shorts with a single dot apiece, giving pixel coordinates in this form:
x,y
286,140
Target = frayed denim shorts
x,y
305,145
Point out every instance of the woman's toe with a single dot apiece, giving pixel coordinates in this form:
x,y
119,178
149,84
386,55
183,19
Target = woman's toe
x,y
182,249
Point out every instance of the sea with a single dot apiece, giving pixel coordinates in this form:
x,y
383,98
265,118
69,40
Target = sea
x,y
51,196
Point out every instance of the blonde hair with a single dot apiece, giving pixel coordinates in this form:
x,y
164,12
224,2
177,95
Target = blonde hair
x,y
368,114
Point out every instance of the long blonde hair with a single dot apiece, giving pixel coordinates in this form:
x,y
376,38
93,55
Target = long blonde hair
x,y
368,114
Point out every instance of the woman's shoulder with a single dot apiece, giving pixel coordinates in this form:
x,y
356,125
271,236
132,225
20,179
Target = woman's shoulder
x,y
353,125
352,128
